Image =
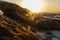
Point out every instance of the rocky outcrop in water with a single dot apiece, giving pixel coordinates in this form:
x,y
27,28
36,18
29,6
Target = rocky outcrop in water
x,y
12,30
48,22
13,23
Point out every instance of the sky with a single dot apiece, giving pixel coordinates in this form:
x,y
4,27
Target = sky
x,y
49,5
52,5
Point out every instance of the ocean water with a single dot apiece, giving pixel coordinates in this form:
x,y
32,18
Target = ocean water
x,y
50,35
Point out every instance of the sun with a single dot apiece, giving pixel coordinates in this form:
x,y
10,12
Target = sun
x,y
33,5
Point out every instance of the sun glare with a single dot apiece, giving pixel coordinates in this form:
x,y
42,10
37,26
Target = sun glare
x,y
33,5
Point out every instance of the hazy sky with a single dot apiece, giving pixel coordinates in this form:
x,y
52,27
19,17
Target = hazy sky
x,y
50,5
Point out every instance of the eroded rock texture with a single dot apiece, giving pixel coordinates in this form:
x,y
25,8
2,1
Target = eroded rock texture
x,y
12,24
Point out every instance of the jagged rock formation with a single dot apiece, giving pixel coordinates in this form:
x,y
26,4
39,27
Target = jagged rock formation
x,y
10,29
12,23
16,12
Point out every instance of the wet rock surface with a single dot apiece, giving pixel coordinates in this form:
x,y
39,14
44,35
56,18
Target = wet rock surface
x,y
13,23
11,30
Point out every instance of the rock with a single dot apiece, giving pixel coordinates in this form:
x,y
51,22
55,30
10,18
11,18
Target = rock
x,y
49,22
12,10
16,12
13,23
10,29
